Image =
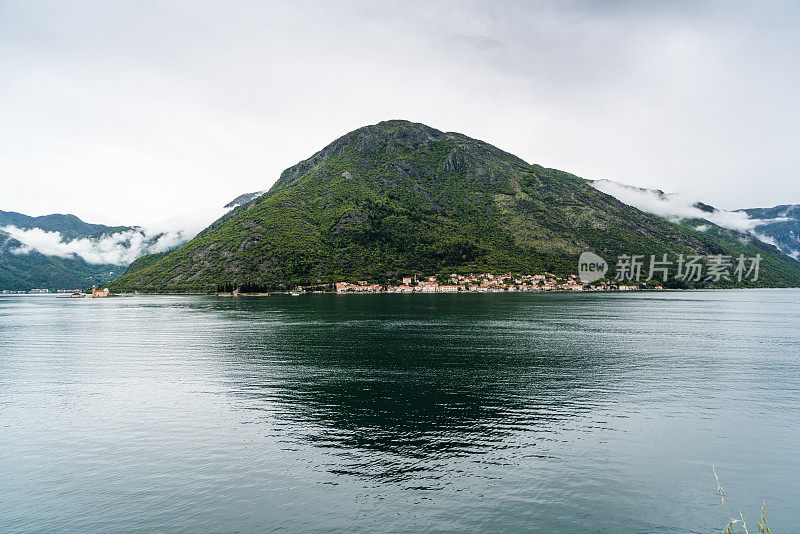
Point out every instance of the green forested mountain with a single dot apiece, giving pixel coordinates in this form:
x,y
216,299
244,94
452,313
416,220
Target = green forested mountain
x,y
399,198
33,270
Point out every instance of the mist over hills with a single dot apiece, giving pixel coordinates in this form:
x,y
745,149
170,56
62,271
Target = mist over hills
x,y
398,198
243,199
23,268
61,251
69,226
778,226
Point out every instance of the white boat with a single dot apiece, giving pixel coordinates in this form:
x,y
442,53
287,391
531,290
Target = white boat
x,y
294,294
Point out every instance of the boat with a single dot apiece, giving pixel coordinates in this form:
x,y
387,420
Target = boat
x,y
295,294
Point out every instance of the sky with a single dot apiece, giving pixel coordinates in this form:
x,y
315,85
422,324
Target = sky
x,y
158,113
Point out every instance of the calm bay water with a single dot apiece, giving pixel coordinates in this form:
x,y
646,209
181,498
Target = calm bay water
x,y
401,413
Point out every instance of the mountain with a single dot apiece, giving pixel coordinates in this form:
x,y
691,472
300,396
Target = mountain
x,y
243,199
399,198
48,251
780,226
69,226
33,270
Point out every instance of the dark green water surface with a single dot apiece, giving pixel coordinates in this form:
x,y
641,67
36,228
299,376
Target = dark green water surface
x,y
399,413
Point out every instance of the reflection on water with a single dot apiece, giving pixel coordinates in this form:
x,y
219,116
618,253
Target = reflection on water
x,y
563,412
404,382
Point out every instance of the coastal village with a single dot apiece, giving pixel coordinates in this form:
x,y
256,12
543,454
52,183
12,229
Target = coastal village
x,y
483,283
455,283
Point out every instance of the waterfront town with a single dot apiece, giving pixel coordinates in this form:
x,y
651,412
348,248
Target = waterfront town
x,y
455,283
484,283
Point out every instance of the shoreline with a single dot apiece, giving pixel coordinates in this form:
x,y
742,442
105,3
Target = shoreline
x,y
603,291
276,293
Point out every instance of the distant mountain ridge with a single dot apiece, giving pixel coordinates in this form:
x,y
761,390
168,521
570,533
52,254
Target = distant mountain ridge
x,y
60,251
781,225
23,268
33,270
399,197
70,226
243,199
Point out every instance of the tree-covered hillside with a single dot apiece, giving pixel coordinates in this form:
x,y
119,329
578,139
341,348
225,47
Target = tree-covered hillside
x,y
399,198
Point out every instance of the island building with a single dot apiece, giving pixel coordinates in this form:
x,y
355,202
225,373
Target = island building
x,y
99,293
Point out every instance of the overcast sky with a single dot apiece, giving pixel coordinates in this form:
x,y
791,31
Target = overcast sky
x,y
136,112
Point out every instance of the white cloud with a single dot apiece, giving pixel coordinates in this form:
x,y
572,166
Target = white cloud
x,y
767,239
119,249
676,207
